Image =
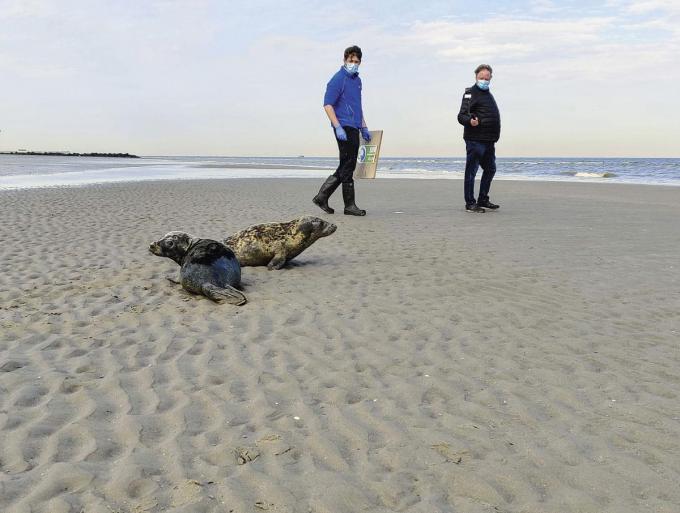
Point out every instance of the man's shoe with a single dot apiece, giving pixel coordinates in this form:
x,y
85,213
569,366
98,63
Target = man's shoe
x,y
328,187
474,208
348,195
487,204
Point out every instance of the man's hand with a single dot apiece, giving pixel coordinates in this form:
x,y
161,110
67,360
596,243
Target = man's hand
x,y
340,133
365,134
474,121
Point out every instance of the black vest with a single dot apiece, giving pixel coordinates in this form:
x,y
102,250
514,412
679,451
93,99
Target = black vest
x,y
482,105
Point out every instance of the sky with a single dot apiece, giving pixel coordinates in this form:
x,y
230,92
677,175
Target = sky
x,y
237,78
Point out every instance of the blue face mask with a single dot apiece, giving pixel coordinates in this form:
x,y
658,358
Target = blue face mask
x,y
483,85
352,67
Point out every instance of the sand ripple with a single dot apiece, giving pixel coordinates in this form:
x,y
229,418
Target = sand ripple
x,y
524,361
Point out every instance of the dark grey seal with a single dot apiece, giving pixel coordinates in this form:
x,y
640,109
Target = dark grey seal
x,y
274,244
208,267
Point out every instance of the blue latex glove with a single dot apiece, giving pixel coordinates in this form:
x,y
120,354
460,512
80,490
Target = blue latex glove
x,y
365,134
340,133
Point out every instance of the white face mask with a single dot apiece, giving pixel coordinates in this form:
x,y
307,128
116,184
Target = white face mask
x,y
352,67
483,84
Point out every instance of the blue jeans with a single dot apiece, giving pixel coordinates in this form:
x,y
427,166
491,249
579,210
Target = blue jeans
x,y
479,153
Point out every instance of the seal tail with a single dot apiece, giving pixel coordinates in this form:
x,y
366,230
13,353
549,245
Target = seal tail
x,y
227,294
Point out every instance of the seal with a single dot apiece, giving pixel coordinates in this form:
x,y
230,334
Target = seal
x,y
208,267
274,244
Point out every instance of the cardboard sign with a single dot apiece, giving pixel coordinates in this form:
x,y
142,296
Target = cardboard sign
x,y
369,152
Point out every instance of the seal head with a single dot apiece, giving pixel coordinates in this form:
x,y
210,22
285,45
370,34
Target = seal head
x,y
315,228
174,245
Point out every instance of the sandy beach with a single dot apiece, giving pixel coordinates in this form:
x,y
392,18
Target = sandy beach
x,y
420,359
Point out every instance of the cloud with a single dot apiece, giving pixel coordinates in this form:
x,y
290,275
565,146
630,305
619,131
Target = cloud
x,y
621,41
15,9
90,39
509,38
666,7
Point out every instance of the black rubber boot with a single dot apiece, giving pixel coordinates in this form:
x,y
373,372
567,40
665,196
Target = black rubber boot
x,y
348,195
328,188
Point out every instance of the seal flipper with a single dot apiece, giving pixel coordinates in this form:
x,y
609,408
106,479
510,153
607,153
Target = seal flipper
x,y
279,259
277,262
226,293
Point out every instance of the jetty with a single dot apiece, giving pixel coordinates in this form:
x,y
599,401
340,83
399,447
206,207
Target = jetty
x,y
70,154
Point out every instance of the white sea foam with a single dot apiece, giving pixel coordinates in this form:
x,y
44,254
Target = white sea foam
x,y
148,173
21,172
584,174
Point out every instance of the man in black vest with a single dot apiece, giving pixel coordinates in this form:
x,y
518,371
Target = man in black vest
x,y
482,121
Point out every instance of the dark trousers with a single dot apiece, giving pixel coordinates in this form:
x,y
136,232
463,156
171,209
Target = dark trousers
x,y
479,153
349,150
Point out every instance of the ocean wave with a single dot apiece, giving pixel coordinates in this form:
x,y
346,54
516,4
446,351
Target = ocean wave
x,y
29,171
408,170
255,165
606,174
510,160
589,174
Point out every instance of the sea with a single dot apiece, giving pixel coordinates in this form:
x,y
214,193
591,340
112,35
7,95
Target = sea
x,y
27,171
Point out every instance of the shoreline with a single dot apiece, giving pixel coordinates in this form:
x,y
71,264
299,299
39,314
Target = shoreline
x,y
49,179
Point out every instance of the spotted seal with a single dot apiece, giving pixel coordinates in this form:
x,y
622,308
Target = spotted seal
x,y
208,267
274,244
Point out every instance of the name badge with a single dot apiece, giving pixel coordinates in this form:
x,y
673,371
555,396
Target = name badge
x,y
467,96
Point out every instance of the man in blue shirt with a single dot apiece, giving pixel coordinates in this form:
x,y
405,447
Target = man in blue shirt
x,y
342,103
